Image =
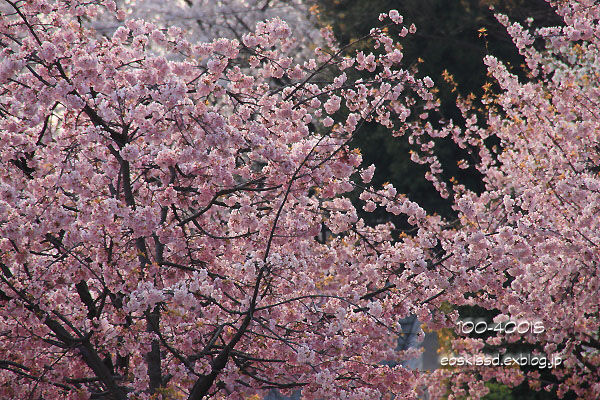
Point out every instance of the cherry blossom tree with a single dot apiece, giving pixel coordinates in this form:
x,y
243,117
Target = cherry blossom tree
x,y
528,246
162,212
160,216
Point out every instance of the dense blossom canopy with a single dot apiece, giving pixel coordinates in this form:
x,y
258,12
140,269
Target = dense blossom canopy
x,y
159,214
175,218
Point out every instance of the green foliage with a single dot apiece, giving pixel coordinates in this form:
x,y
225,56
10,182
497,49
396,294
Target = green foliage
x,y
498,391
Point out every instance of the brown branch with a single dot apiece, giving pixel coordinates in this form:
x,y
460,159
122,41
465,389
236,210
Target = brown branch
x,y
205,382
86,350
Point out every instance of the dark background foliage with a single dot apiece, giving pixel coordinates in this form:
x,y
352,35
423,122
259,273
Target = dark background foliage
x,y
449,38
